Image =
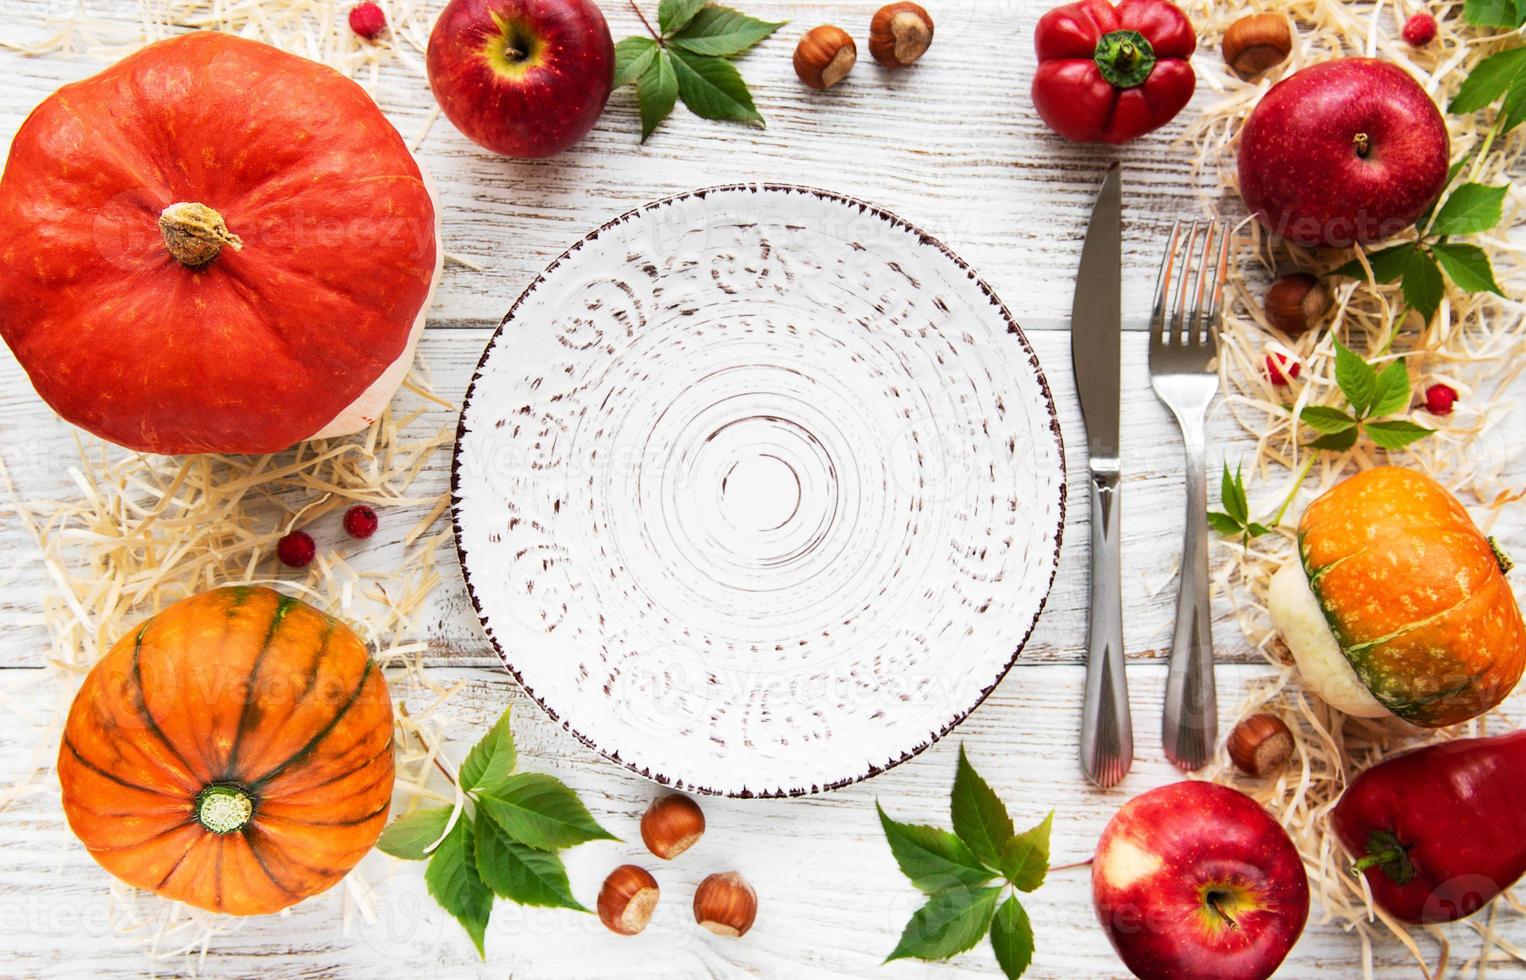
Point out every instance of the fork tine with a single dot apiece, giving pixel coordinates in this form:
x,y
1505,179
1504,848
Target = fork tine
x,y
1215,303
1179,308
1163,286
1197,322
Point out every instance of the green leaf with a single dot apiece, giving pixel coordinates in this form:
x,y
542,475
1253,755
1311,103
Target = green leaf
x,y
1012,938
1025,859
491,761
1255,529
1336,441
632,56
933,859
1392,394
1232,494
980,817
656,92
1422,284
712,88
1469,209
1468,267
723,32
1495,13
520,873
453,881
1397,433
951,922
410,837
1324,418
1490,79
674,15
1387,264
538,810
1224,524
1356,378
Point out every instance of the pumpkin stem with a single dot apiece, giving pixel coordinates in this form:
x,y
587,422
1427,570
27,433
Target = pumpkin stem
x,y
1500,557
195,234
224,808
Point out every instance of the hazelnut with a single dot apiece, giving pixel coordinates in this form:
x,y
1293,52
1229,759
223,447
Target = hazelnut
x,y
825,56
899,34
1296,303
627,899
725,904
1256,42
1260,745
672,825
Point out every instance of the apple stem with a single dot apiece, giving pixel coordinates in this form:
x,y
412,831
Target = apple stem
x,y
644,22
1216,903
1363,145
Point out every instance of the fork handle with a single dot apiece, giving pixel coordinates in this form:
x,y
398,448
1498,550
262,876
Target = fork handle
x,y
1191,721
1107,733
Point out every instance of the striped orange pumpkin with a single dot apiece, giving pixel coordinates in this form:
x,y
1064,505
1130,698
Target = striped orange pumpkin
x,y
1415,596
233,752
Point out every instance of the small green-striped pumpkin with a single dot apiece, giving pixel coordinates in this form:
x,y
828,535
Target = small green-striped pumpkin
x,y
233,752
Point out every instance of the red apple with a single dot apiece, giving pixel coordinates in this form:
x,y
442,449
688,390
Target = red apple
x,y
1344,151
525,78
1197,880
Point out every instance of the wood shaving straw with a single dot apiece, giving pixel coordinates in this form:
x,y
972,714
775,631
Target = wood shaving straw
x,y
1476,344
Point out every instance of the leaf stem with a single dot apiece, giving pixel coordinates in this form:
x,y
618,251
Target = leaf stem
x,y
1303,473
1478,161
644,22
1067,867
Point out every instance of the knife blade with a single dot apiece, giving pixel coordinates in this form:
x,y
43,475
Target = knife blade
x,y
1096,318
1107,735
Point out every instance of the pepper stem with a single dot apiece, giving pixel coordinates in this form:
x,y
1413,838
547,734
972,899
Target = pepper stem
x,y
195,234
224,808
1386,852
1124,58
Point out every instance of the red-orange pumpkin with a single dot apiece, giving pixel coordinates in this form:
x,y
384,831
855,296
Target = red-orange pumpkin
x,y
233,752
211,246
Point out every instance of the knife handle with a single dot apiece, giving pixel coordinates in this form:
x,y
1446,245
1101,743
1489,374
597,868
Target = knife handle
x,y
1107,733
1191,721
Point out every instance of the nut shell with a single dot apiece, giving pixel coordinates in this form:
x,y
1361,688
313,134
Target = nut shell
x,y
1297,303
1260,745
825,56
672,825
725,904
1257,42
899,34
627,899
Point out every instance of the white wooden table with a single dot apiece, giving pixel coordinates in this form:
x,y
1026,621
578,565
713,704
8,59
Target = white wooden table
x,y
952,146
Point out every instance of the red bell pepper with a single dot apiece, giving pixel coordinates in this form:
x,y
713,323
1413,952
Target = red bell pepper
x,y
1441,830
1110,74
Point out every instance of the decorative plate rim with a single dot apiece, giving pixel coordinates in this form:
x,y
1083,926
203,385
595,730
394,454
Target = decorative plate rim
x,y
896,222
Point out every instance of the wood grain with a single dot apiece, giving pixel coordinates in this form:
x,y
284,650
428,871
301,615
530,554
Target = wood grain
x,y
949,145
831,900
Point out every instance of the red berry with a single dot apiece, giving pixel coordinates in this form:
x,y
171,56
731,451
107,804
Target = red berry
x,y
1439,399
367,20
360,521
1420,30
1282,369
296,549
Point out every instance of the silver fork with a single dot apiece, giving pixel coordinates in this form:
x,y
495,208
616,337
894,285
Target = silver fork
x,y
1183,342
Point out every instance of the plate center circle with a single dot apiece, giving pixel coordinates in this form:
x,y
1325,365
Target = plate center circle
x,y
760,492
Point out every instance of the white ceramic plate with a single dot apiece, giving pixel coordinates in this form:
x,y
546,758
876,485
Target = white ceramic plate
x,y
759,490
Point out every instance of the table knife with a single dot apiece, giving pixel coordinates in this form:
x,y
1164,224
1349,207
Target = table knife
x,y
1096,321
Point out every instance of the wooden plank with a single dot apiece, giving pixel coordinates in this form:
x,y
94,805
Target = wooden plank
x,y
949,145
35,445
832,902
